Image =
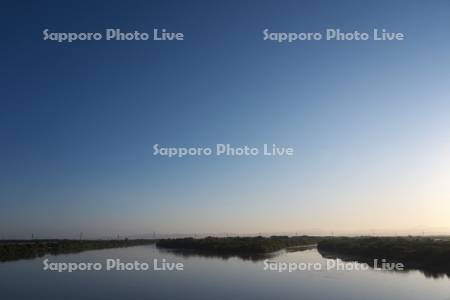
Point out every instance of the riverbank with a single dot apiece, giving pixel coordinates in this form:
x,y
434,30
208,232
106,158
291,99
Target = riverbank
x,y
423,253
238,245
26,249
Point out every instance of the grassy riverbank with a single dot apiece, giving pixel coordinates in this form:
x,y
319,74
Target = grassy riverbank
x,y
252,245
25,249
424,253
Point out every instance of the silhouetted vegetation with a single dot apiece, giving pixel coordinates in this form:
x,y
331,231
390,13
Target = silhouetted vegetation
x,y
14,250
424,253
237,245
186,253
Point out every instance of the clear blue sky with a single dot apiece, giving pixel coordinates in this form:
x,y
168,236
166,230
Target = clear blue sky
x,y
369,121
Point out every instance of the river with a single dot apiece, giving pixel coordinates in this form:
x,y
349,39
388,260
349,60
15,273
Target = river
x,y
211,277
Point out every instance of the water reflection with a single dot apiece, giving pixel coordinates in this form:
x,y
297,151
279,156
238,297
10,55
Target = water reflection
x,y
210,276
187,253
255,257
435,273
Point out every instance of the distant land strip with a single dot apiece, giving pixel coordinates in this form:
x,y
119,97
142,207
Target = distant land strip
x,y
28,249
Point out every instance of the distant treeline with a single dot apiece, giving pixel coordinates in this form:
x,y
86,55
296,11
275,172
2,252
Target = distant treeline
x,y
15,250
254,245
424,253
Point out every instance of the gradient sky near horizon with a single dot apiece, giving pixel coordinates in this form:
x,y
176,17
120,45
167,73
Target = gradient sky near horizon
x,y
369,121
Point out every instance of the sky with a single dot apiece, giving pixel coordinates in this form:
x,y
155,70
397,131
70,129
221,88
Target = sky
x,y
369,120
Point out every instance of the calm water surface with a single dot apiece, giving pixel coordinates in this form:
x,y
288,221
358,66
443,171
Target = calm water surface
x,y
210,278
